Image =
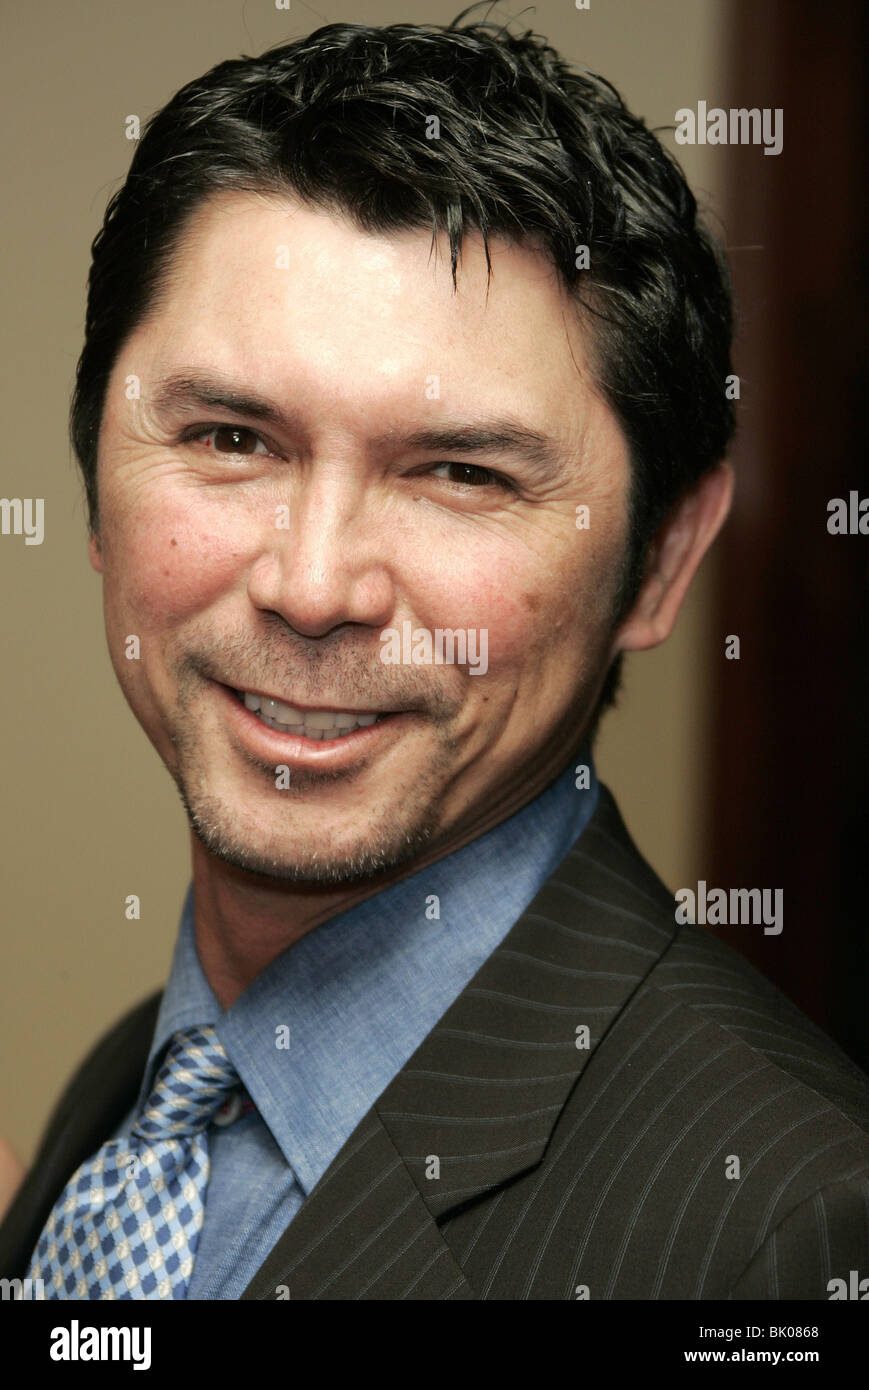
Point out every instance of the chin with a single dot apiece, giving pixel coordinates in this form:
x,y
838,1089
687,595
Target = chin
x,y
303,859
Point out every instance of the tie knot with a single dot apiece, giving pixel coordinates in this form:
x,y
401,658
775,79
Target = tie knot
x,y
190,1087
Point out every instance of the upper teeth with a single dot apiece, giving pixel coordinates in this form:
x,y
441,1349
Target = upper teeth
x,y
318,724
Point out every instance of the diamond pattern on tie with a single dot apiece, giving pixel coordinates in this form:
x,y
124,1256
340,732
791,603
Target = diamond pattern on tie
x,y
127,1223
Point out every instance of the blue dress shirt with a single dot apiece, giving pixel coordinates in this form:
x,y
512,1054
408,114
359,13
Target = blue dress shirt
x,y
358,995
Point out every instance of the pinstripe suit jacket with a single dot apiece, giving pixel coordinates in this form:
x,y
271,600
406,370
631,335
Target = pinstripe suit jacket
x,y
709,1142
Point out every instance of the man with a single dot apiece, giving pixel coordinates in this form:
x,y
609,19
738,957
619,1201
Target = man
x,y
401,415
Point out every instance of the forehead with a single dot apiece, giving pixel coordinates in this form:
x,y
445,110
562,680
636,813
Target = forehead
x,y
288,298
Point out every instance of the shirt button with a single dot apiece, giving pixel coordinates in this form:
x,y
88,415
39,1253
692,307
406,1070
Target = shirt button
x,y
230,1110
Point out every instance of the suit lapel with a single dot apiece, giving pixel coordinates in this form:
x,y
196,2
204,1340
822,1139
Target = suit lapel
x,y
364,1232
476,1104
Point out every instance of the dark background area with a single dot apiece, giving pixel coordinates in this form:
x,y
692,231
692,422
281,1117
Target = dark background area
x,y
790,758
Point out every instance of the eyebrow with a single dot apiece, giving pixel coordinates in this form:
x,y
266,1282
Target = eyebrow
x,y
489,436
187,392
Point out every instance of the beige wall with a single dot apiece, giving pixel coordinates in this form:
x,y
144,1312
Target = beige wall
x,y
88,813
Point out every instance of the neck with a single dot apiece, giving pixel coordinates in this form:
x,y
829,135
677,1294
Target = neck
x,y
244,921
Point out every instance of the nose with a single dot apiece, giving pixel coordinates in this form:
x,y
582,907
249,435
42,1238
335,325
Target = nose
x,y
325,561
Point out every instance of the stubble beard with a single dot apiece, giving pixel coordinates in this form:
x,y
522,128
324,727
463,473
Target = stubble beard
x,y
394,833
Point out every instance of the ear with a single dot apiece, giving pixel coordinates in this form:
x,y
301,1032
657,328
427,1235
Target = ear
x,y
95,554
674,556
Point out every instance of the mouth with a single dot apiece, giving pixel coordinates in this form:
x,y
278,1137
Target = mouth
x,y
322,725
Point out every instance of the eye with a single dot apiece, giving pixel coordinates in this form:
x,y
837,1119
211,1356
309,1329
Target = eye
x,y
231,439
471,475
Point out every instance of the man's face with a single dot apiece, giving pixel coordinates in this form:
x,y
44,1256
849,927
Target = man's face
x,y
265,551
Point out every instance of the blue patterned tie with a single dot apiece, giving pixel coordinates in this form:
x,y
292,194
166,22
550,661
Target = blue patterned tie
x,y
127,1223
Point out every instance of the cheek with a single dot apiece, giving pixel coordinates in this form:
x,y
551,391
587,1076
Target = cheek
x,y
528,605
167,563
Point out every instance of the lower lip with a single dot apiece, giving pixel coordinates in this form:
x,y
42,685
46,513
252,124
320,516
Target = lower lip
x,y
297,751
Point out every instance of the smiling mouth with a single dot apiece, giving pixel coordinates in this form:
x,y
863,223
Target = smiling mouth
x,y
309,723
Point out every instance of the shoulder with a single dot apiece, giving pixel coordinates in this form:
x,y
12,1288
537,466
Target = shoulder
x,y
716,986
702,984
716,1145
